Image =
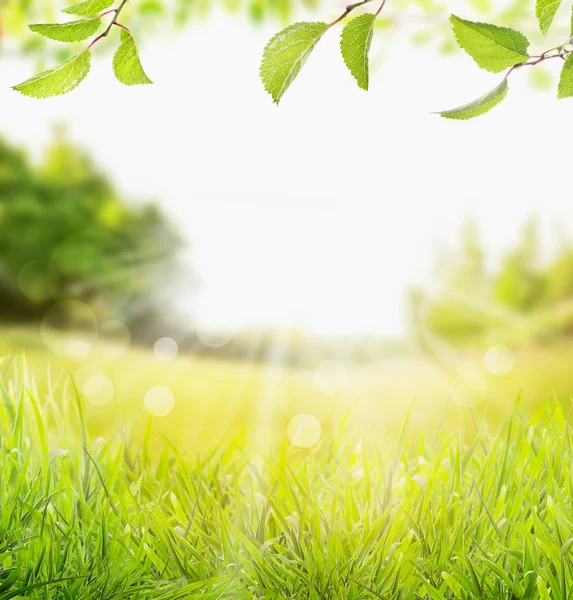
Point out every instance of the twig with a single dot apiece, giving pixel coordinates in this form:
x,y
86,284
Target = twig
x,y
348,10
112,23
535,60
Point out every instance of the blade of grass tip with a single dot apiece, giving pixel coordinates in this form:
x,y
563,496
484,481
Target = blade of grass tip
x,y
40,425
81,414
490,516
18,431
399,449
507,447
10,409
147,443
368,589
84,436
181,463
477,429
106,491
5,369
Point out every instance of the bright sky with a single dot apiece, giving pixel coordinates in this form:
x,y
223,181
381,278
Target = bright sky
x,y
319,213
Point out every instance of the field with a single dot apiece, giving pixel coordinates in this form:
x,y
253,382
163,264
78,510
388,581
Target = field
x,y
421,482
433,519
215,400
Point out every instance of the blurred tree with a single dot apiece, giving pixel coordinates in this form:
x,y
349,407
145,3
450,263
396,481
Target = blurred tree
x,y
559,277
523,300
519,283
66,233
457,305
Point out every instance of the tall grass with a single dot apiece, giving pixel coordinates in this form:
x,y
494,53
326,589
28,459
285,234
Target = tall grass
x,y
100,519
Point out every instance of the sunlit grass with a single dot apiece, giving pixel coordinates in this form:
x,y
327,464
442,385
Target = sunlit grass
x,y
215,400
412,518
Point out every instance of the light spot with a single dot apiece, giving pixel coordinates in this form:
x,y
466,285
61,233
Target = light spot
x,y
304,430
330,377
213,338
77,350
469,389
84,373
98,390
38,280
165,349
114,339
499,360
159,401
69,328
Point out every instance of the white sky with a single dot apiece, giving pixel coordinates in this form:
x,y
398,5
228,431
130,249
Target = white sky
x,y
321,212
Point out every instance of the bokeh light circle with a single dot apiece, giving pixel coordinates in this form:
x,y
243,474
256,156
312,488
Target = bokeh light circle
x,y
82,374
212,338
304,430
38,280
165,349
470,389
69,328
98,390
499,360
330,377
159,401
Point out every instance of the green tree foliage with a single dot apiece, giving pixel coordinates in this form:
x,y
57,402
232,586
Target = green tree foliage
x,y
67,234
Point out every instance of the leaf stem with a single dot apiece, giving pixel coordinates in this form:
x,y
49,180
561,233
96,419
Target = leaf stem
x,y
347,11
380,8
123,27
107,12
113,22
535,60
115,18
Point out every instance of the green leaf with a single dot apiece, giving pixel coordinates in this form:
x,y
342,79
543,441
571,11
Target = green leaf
x,y
285,55
59,80
88,8
480,106
565,89
545,11
493,48
355,46
126,64
75,31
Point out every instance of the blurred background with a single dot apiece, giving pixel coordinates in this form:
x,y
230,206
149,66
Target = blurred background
x,y
192,252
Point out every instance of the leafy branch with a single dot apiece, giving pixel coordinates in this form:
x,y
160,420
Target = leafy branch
x,y
493,48
287,51
68,75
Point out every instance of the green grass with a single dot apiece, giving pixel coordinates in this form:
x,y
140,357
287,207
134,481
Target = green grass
x,y
417,518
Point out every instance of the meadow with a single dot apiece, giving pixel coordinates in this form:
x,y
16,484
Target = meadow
x,y
89,518
422,482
